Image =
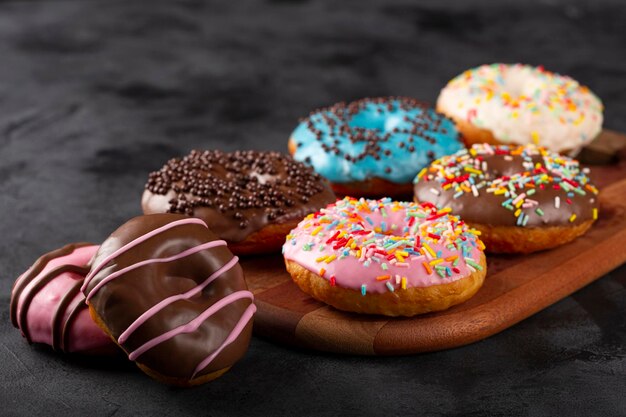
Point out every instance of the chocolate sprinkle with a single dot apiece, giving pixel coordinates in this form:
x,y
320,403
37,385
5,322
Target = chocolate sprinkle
x,y
339,116
248,188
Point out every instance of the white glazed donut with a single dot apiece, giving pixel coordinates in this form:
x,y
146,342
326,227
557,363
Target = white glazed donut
x,y
520,104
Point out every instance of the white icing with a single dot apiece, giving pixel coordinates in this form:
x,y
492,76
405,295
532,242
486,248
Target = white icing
x,y
522,104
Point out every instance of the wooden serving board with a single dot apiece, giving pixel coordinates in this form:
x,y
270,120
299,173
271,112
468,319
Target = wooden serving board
x,y
516,286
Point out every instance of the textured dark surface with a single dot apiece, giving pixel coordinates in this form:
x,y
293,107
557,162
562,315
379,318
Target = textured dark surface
x,y
95,94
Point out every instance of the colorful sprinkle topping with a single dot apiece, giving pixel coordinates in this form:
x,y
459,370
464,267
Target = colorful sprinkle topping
x,y
427,246
522,104
521,186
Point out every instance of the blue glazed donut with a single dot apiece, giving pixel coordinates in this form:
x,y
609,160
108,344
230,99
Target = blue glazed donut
x,y
373,146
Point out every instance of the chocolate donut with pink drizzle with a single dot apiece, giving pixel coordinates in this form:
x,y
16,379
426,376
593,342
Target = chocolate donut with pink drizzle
x,y
173,297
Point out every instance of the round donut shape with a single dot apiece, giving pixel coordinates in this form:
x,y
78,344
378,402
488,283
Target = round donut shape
x,y
251,199
522,198
520,104
373,147
173,297
48,307
385,257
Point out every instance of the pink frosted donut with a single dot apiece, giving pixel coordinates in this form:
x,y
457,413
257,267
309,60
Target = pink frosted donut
x,y
48,307
385,257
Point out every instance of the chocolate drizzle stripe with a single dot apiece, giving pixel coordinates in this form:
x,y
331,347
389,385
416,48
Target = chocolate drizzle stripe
x,y
234,334
34,290
136,242
193,325
57,319
129,268
169,300
65,331
39,265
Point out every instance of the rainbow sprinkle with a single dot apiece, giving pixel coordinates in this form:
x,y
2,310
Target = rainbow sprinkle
x,y
525,192
524,104
384,245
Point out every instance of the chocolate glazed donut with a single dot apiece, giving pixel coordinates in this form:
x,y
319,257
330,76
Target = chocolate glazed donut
x,y
250,199
507,192
173,297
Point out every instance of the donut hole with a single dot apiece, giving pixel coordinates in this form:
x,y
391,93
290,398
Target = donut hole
x,y
391,233
179,277
381,122
263,178
514,87
519,83
391,225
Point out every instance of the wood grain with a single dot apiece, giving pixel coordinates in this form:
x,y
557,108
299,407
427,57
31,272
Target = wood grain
x,y
516,287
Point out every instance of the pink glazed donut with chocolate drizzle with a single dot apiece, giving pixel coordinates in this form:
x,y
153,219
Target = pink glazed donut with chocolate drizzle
x,y
173,297
48,307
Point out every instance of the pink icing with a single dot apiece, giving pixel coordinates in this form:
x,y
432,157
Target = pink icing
x,y
84,334
351,270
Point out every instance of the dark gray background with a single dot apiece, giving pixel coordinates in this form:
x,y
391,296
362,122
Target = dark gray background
x,y
95,94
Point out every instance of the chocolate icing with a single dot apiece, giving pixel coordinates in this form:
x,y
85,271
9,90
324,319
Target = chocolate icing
x,y
122,300
236,193
487,207
60,328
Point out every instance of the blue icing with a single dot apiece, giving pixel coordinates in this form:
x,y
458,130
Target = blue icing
x,y
369,127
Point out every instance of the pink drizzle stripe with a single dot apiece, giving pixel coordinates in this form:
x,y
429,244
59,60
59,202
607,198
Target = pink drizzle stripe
x,y
241,324
181,255
136,242
169,300
193,325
